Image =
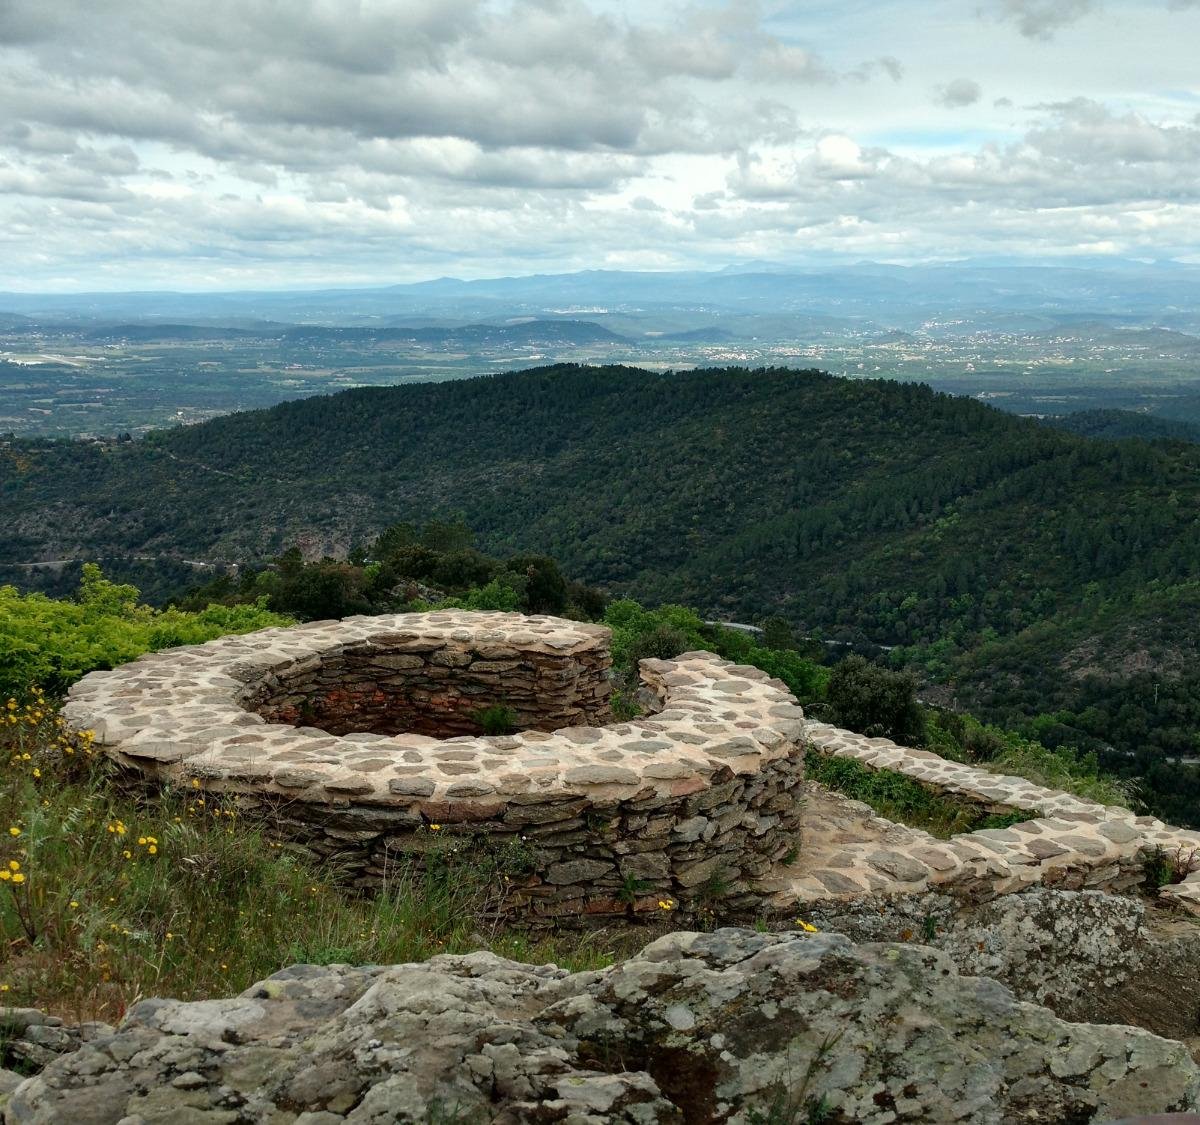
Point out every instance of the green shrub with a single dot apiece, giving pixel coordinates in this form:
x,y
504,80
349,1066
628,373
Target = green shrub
x,y
52,643
963,738
901,799
496,719
876,701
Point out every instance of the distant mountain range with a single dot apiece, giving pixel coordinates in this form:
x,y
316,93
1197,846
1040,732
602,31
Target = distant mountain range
x,y
954,297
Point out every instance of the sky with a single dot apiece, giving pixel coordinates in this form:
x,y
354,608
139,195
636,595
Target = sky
x,y
242,144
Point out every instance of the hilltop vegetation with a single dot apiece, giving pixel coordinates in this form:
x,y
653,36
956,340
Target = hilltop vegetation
x,y
1115,424
106,900
1041,577
49,643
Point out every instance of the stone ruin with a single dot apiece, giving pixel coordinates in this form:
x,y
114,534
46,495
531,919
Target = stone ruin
x,y
364,741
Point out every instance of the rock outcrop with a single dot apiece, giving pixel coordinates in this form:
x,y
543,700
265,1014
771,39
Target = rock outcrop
x,y
732,1026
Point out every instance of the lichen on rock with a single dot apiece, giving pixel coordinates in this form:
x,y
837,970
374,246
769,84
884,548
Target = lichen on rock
x,y
728,1026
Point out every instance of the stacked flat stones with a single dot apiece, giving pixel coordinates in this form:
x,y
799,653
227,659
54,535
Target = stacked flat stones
x,y
437,682
698,797
1067,841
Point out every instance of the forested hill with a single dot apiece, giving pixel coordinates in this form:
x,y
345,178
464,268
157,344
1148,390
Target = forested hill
x,y
864,508
1124,424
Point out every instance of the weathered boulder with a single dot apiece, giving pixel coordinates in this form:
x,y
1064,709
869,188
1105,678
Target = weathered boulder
x,y
730,1026
1086,955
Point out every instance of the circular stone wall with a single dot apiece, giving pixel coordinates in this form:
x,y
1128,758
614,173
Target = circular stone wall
x,y
699,798
438,681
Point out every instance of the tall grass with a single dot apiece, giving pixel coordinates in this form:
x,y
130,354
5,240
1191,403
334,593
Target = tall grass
x,y
109,895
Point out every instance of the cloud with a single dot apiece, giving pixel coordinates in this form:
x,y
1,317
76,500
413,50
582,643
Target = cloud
x,y
234,74
236,141
958,93
1083,177
1040,19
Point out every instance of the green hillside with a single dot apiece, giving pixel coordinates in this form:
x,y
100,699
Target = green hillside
x,y
1033,570
1124,424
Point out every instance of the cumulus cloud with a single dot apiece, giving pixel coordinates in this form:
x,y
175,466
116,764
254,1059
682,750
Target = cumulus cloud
x,y
229,74
958,93
237,141
1082,177
1040,19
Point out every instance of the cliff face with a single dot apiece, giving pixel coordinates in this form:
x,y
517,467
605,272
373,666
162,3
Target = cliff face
x,y
731,1026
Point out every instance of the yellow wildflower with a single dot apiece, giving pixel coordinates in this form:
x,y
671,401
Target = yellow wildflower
x,y
807,927
18,878
666,904
14,831
435,828
5,875
13,865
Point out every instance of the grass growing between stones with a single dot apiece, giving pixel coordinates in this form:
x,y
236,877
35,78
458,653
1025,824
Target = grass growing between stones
x,y
108,897
901,799
960,738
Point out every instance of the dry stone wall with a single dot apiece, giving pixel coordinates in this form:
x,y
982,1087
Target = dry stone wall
x,y
698,796
1067,842
438,685
360,741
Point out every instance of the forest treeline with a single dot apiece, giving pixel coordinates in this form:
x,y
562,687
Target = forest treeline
x,y
48,643
1033,576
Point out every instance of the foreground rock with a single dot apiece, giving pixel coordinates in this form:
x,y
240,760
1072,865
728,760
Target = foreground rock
x,y
732,1026
1086,955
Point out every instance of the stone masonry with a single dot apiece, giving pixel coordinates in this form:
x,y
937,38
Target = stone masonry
x,y
437,683
701,793
1067,842
359,740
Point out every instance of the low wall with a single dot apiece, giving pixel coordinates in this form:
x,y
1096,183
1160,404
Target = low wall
x,y
439,685
693,802
1067,842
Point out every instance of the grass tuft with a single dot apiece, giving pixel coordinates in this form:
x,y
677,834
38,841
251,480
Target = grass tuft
x,y
903,800
109,896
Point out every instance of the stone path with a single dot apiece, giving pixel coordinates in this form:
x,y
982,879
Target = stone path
x,y
1068,841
